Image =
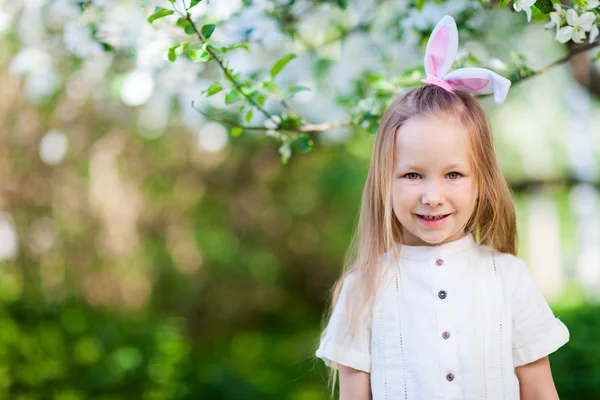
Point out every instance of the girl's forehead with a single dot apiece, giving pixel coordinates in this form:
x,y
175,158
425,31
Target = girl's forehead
x,y
424,139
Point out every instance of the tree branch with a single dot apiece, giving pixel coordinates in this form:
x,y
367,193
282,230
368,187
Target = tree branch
x,y
227,73
575,50
229,122
307,128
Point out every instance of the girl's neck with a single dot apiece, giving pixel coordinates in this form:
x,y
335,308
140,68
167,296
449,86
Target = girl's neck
x,y
425,251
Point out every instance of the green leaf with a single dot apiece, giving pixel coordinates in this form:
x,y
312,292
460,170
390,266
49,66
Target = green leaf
x,y
248,117
207,30
410,77
233,96
171,1
503,3
214,89
280,64
194,3
419,4
261,100
291,122
270,86
199,56
379,82
545,6
183,22
302,143
293,89
342,4
159,12
596,58
189,29
177,50
236,131
172,55
235,46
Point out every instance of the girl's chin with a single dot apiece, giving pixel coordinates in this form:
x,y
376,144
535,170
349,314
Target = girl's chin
x,y
421,238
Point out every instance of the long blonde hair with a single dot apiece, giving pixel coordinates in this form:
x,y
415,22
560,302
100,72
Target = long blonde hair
x,y
492,223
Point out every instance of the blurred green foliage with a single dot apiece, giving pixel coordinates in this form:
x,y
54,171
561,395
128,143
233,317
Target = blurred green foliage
x,y
75,352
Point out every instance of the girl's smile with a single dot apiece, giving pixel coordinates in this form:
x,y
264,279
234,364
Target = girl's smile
x,y
433,220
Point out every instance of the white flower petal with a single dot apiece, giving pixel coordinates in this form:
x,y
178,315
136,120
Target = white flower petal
x,y
578,35
517,6
586,20
564,34
549,25
557,7
528,12
555,18
592,4
572,17
594,33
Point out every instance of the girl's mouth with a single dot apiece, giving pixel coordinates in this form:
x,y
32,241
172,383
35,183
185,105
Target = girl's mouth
x,y
433,220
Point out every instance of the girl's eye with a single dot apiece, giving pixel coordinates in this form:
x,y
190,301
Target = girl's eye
x,y
454,175
412,175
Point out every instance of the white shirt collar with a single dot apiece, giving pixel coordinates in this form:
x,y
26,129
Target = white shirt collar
x,y
420,252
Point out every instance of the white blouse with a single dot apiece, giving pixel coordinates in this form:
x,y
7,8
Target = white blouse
x,y
452,322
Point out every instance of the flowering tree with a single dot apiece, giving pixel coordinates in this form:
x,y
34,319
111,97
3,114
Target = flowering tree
x,y
230,60
576,22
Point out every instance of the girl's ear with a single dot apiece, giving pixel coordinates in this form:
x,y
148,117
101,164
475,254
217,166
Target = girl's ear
x,y
441,48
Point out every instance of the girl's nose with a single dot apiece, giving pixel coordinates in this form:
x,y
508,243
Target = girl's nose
x,y
432,194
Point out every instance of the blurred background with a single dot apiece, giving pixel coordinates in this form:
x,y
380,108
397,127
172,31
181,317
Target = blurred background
x,y
148,251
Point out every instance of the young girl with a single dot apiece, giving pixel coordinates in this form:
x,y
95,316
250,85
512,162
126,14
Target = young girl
x,y
434,303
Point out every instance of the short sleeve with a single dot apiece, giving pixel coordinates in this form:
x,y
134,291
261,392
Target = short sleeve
x,y
536,331
337,345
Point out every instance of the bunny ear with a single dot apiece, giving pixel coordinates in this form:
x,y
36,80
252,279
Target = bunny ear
x,y
441,48
479,81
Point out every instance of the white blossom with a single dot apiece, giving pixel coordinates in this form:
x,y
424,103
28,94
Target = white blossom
x,y
594,33
591,4
558,17
79,40
272,123
285,150
524,5
578,26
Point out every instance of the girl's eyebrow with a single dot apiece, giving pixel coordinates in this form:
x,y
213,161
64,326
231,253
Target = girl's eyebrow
x,y
457,165
415,166
402,167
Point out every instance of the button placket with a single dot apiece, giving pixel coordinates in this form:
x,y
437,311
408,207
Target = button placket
x,y
446,316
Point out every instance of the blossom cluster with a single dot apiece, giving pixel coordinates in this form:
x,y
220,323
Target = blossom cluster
x,y
576,23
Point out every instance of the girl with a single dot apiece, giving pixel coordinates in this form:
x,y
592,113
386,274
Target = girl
x,y
433,303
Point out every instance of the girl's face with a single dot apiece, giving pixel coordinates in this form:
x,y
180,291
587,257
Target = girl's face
x,y
433,184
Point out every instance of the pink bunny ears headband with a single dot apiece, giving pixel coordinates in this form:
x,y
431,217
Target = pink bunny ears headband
x,y
439,56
